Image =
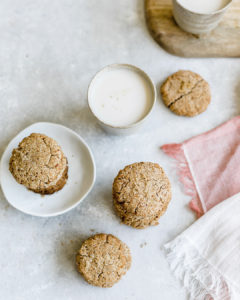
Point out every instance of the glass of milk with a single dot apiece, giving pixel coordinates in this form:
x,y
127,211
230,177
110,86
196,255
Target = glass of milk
x,y
121,97
199,16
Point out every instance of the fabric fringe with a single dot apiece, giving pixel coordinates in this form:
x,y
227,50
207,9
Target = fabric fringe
x,y
176,151
202,281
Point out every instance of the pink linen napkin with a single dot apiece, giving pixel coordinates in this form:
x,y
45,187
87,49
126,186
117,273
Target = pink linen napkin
x,y
209,165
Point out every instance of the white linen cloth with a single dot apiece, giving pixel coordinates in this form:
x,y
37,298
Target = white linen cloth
x,y
206,257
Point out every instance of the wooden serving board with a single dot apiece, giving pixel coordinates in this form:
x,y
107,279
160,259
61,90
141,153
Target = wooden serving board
x,y
224,41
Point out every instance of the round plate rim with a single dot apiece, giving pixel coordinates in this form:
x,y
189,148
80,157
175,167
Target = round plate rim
x,y
81,198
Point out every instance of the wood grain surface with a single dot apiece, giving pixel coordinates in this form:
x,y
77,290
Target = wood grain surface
x,y
224,41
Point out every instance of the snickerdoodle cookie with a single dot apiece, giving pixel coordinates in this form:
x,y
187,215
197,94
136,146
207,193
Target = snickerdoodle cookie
x,y
39,164
186,93
103,259
141,193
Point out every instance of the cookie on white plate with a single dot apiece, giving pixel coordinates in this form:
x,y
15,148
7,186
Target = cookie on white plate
x,y
39,164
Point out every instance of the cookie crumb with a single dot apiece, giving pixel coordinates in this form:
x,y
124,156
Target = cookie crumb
x,y
143,245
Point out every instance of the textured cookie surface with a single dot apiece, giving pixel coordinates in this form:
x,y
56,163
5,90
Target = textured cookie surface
x,y
103,259
186,93
39,164
141,193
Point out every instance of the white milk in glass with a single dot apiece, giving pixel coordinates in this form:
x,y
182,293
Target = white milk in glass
x,y
203,6
120,97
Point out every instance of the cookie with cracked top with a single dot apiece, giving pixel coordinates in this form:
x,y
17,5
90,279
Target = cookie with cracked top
x,y
103,259
141,194
186,93
39,164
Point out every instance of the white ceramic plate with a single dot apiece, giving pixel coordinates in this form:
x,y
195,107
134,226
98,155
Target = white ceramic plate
x,y
81,174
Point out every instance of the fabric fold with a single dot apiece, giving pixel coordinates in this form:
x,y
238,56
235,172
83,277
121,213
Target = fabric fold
x,y
208,165
206,257
176,151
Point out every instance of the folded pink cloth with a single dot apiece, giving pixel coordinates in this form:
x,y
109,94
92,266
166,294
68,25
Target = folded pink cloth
x,y
209,165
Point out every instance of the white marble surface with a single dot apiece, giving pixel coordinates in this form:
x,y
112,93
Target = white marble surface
x,y
49,52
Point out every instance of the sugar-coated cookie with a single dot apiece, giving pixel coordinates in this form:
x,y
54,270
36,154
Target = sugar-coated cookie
x,y
39,164
186,93
141,194
103,259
